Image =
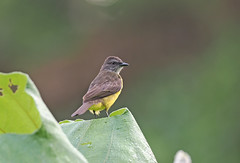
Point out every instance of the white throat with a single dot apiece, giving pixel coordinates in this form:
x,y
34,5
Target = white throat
x,y
118,70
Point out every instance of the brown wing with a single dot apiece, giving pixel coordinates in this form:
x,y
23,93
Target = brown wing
x,y
105,84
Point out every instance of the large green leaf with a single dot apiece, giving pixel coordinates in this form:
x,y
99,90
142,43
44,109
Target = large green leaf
x,y
29,132
18,112
117,138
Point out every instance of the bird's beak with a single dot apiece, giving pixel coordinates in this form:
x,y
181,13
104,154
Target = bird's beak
x,y
124,64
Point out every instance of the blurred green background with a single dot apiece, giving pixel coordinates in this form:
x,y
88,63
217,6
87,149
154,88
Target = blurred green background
x,y
183,82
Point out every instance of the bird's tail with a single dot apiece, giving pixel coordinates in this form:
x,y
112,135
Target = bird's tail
x,y
82,109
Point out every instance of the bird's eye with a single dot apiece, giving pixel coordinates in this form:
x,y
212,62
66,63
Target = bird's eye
x,y
114,63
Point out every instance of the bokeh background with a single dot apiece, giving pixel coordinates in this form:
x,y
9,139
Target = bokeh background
x,y
183,82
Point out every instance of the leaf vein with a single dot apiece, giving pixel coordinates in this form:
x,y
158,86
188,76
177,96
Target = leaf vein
x,y
34,123
2,130
110,145
80,139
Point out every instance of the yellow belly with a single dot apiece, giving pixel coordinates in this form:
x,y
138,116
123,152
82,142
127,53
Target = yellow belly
x,y
109,101
106,103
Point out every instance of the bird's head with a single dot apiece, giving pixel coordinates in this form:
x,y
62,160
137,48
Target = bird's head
x,y
114,64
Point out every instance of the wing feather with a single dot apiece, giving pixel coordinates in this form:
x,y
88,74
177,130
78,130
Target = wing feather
x,y
105,84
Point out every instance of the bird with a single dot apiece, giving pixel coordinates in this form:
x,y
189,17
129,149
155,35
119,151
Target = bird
x,y
104,89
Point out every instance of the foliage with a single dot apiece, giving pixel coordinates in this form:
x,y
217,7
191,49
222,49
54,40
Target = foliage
x,y
19,113
29,133
113,139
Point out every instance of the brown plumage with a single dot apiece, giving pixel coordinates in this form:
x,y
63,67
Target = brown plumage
x,y
104,89
105,84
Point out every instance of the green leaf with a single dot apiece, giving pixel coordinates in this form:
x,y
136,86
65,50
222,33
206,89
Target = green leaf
x,y
118,112
18,113
65,121
29,132
113,139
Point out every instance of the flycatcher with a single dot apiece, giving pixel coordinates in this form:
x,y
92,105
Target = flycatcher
x,y
104,89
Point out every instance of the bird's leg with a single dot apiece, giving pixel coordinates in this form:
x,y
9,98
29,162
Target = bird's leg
x,y
94,114
106,112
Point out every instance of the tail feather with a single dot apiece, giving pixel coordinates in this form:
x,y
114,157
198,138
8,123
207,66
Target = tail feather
x,y
82,109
